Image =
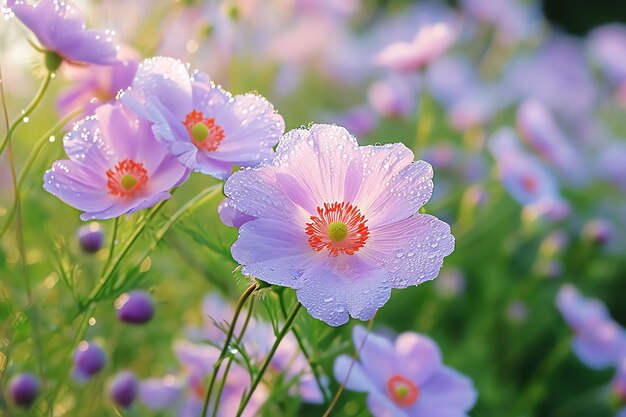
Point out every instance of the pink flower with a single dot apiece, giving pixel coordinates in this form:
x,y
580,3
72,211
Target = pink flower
x,y
338,222
430,43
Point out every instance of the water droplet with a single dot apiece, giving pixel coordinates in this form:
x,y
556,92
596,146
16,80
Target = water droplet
x,y
328,300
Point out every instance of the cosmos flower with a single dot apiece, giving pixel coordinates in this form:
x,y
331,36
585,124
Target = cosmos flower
x,y
338,222
394,96
257,342
406,378
115,166
599,342
185,392
430,43
96,84
201,124
525,178
60,28
541,132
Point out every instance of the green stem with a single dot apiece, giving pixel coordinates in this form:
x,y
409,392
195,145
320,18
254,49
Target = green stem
x,y
31,160
216,367
424,119
296,333
116,225
269,357
230,361
26,112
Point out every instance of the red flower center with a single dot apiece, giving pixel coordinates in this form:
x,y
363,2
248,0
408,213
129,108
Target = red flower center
x,y
340,227
126,178
203,132
529,183
403,391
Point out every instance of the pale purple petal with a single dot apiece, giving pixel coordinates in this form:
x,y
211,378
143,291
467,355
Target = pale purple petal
x,y
381,406
419,357
447,393
160,393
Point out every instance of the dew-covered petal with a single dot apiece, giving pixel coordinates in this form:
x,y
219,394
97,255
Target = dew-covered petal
x,y
418,356
447,393
331,297
411,250
350,371
274,251
77,185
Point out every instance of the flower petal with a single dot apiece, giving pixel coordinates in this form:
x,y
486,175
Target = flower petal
x,y
418,356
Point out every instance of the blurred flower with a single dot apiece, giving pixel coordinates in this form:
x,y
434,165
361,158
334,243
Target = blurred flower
x,y
60,28
124,389
450,283
394,96
599,342
525,178
230,216
541,132
517,311
89,359
23,389
611,164
90,237
360,120
338,222
97,84
405,379
514,21
116,166
430,43
186,392
598,230
135,307
201,124
607,46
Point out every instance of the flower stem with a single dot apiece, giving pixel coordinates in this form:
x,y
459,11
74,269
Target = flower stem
x,y
269,357
314,369
26,112
231,330
230,361
343,383
424,119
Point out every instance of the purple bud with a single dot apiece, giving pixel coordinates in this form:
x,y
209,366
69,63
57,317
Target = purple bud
x,y
135,307
23,389
90,237
89,359
124,389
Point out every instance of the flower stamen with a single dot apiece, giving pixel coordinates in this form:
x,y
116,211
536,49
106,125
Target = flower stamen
x,y
403,391
203,132
339,227
127,178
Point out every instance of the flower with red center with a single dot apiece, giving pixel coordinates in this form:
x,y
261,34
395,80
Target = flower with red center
x,y
405,378
338,222
115,166
201,124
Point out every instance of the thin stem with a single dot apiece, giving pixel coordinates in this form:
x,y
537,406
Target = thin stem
x,y
116,225
296,333
31,307
424,119
269,357
343,383
216,367
26,112
230,360
31,160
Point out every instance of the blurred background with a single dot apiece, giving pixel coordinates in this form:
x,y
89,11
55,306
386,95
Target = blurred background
x,y
521,112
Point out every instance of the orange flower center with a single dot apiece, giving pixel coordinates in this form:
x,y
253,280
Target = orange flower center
x,y
403,391
126,178
529,183
203,131
340,227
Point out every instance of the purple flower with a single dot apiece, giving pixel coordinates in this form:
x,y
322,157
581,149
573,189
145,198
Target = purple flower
x,y
97,84
599,231
338,222
430,43
116,166
524,177
124,389
201,124
90,237
135,307
60,28
541,132
599,342
89,359
23,389
607,46
393,96
404,379
230,216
